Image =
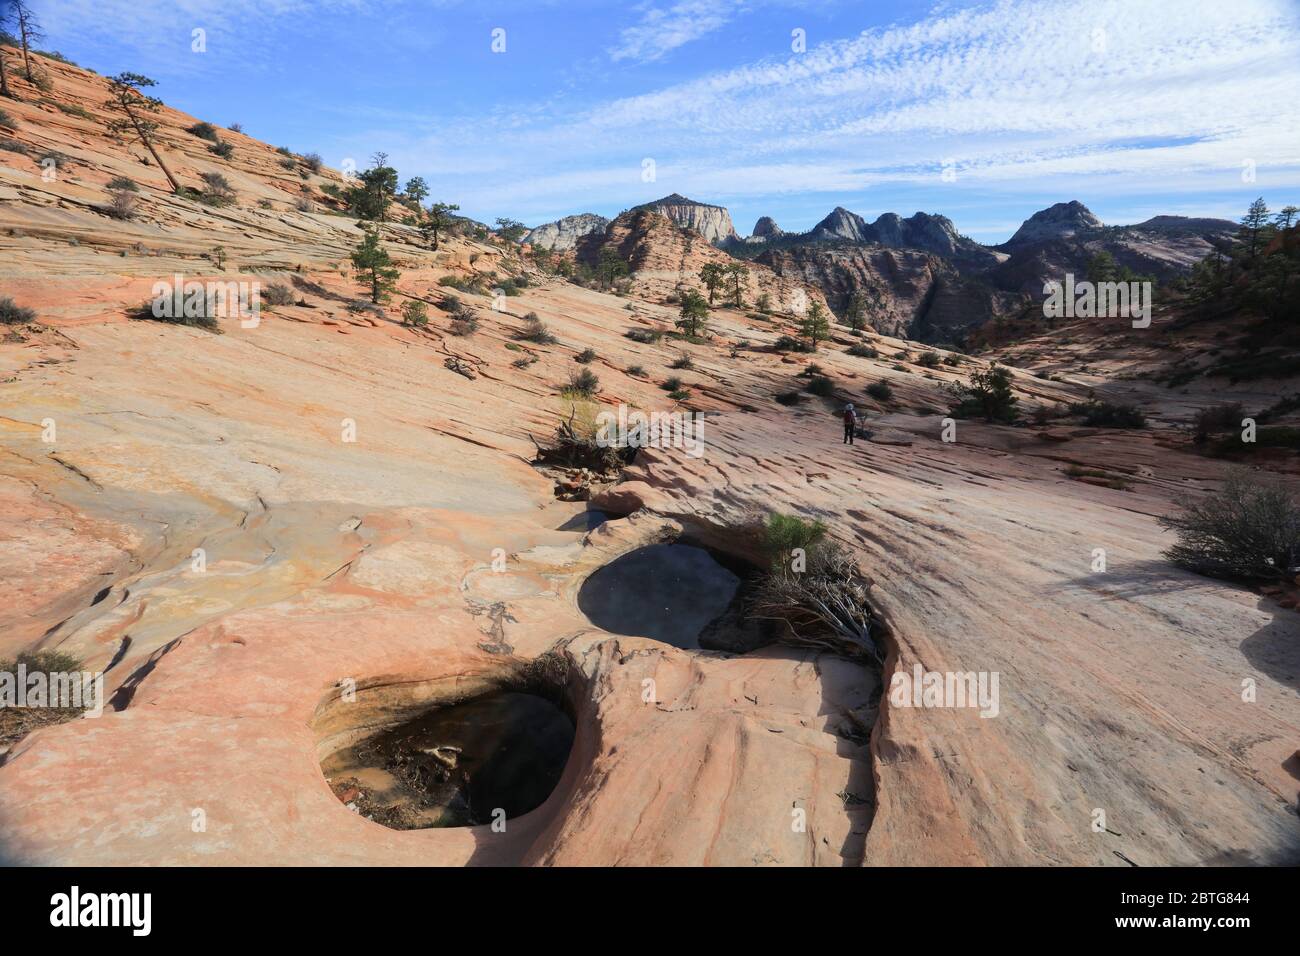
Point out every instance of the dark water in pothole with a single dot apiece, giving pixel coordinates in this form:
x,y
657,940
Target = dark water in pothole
x,y
455,765
667,592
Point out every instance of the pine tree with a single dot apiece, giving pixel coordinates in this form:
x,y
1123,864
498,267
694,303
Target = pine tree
x,y
815,326
1254,222
694,315
739,276
29,32
417,190
374,267
132,104
713,275
437,221
4,76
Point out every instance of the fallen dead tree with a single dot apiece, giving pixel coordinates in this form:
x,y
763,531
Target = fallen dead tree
x,y
575,445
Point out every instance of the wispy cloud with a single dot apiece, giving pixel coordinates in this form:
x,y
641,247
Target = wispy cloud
x,y
1013,92
663,29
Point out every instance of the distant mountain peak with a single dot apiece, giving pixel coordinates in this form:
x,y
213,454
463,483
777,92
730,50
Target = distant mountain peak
x,y
711,222
563,234
1058,221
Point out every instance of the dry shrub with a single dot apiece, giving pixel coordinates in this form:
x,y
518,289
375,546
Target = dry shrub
x,y
1248,529
813,587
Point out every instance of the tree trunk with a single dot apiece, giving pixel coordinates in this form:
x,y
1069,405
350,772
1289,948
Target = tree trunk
x,y
22,34
144,138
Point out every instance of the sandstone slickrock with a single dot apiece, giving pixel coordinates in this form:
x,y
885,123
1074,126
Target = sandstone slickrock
x,y
376,560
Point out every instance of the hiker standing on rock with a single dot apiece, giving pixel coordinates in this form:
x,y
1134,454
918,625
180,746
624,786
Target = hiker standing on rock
x,y
850,423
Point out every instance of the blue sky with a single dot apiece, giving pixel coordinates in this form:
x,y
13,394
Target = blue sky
x,y
1134,107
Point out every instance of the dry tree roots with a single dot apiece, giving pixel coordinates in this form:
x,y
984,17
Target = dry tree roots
x,y
825,606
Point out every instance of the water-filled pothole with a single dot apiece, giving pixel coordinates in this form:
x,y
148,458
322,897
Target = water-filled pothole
x,y
463,764
667,592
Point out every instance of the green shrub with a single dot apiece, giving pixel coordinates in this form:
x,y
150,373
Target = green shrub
x,y
124,184
929,360
1109,414
217,190
314,162
74,109
988,394
222,148
277,293
636,370
204,131
684,361
204,317
821,386
644,336
585,356
782,534
680,394
863,351
1217,419
672,383
7,120
881,391
789,398
535,330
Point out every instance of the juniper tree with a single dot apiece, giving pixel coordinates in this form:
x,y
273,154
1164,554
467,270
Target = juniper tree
x,y
132,104
374,267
